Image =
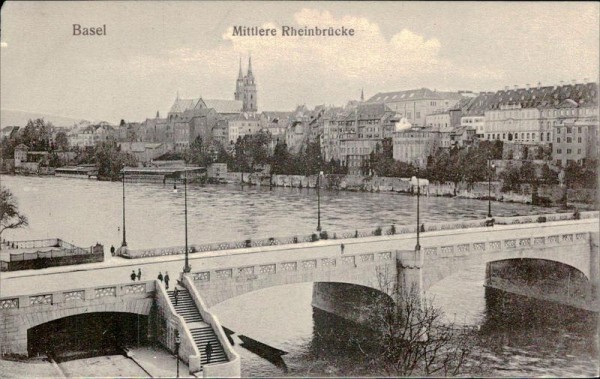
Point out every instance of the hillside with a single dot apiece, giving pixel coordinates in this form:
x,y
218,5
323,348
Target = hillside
x,y
9,117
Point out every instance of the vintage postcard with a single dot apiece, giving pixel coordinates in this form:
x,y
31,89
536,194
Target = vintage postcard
x,y
267,189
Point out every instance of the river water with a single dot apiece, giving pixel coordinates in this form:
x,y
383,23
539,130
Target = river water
x,y
85,212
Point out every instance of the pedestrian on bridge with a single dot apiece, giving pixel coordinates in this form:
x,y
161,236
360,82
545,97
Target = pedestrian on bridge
x,y
208,352
139,274
133,275
112,250
167,279
160,277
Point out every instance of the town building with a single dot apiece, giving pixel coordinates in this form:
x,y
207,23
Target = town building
x,y
415,105
413,144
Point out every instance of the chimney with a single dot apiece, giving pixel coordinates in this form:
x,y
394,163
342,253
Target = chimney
x,y
527,85
539,84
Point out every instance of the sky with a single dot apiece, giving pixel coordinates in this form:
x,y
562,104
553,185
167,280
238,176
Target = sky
x,y
154,50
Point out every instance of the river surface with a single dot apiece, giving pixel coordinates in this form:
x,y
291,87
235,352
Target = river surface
x,y
85,212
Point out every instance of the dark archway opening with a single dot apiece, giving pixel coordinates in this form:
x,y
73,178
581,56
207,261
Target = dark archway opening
x,y
87,335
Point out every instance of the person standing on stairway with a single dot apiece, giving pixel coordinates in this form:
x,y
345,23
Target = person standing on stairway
x,y
160,277
139,274
208,352
176,294
166,279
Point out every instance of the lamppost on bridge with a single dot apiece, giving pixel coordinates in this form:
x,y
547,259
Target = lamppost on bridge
x,y
186,267
177,343
319,201
124,242
491,167
418,245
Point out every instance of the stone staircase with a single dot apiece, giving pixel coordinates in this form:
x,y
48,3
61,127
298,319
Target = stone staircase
x,y
201,331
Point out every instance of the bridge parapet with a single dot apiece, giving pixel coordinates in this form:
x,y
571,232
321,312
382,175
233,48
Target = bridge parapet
x,y
496,245
358,233
81,294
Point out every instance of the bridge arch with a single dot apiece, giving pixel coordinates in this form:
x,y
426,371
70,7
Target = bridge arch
x,y
88,333
135,306
437,269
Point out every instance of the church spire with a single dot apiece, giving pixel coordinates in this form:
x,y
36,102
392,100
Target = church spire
x,y
240,75
249,65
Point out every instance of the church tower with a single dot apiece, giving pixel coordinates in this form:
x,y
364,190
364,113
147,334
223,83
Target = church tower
x,y
249,98
239,85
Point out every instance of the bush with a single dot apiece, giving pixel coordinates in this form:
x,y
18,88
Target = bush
x,y
314,237
295,240
193,249
323,235
248,243
271,241
356,234
377,231
393,229
541,219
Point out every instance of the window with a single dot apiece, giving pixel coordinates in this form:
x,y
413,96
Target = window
x,y
579,129
548,136
558,140
568,151
579,139
569,140
541,136
568,129
578,151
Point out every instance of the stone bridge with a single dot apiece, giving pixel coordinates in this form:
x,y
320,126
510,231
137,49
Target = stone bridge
x,y
338,267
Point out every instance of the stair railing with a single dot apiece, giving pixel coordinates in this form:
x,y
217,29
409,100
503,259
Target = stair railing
x,y
188,349
225,369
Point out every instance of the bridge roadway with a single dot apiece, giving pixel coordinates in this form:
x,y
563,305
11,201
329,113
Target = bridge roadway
x,y
117,270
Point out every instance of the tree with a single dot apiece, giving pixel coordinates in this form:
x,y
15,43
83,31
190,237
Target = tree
x,y
414,336
10,218
61,141
110,160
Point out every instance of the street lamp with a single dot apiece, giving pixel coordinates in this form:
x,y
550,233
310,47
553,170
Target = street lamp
x,y
418,246
491,166
124,243
186,267
177,343
319,201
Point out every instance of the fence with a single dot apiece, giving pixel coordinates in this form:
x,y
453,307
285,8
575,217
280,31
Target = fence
x,y
357,233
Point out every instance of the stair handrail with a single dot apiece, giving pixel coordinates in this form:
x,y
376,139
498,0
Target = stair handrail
x,y
193,360
224,369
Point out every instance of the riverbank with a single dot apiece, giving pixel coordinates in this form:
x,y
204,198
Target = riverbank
x,y
542,195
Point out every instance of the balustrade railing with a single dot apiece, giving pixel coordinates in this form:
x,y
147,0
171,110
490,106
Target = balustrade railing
x,y
82,294
357,233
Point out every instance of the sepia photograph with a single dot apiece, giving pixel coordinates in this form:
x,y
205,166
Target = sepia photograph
x,y
206,189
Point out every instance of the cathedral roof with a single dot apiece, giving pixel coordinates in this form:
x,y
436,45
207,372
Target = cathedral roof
x,y
181,105
224,106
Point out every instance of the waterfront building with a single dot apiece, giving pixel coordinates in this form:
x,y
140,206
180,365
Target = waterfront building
x,y
415,105
362,130
576,138
242,125
414,144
